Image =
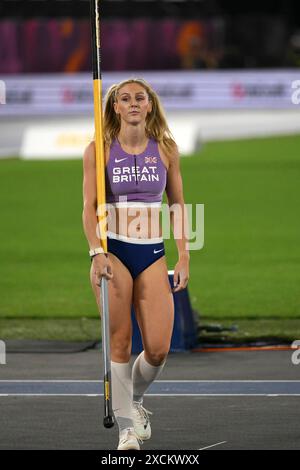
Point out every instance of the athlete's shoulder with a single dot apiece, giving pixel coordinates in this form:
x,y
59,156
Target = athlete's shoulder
x,y
169,152
89,155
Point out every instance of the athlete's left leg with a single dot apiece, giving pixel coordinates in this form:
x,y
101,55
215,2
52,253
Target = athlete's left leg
x,y
154,309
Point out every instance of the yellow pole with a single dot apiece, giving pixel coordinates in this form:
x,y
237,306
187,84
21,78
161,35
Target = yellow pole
x,y
100,162
108,419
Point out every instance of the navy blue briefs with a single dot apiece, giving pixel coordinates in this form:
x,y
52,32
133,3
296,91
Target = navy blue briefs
x,y
135,256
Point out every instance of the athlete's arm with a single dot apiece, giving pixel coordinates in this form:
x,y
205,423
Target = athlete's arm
x,y
101,264
89,214
179,219
174,191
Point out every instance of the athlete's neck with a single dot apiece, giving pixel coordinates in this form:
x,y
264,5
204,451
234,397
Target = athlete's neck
x,y
133,138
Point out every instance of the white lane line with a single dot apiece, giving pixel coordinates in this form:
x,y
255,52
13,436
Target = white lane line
x,y
213,445
159,381
177,395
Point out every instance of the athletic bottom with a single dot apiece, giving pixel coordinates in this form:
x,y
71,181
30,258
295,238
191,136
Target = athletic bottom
x,y
135,254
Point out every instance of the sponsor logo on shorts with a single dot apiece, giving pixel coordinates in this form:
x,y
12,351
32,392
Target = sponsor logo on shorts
x,y
157,251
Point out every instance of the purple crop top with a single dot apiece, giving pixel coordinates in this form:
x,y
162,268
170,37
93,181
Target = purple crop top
x,y
140,178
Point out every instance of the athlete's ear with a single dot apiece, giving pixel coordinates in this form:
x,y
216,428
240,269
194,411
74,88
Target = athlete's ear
x,y
116,107
150,107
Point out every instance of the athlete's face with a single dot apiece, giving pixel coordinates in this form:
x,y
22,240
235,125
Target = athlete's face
x,y
133,103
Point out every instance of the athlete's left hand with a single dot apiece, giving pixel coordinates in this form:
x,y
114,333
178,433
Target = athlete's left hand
x,y
181,273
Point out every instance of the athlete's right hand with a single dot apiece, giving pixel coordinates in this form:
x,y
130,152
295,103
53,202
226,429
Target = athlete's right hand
x,y
102,266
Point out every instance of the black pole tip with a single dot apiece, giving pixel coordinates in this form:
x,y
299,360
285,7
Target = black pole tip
x,y
108,421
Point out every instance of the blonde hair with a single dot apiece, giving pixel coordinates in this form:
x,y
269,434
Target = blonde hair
x,y
156,123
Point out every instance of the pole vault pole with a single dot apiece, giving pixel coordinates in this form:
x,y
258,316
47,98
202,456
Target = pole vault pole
x,y
108,420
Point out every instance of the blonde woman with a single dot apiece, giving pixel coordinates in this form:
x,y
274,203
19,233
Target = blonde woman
x,y
142,162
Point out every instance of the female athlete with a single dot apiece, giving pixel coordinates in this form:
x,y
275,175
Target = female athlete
x,y
142,161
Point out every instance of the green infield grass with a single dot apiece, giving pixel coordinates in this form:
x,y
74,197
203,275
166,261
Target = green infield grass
x,y
249,267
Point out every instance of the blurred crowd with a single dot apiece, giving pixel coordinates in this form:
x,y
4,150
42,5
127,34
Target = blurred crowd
x,y
64,45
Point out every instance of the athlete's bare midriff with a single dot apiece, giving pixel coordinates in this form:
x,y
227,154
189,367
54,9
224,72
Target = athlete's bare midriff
x,y
135,222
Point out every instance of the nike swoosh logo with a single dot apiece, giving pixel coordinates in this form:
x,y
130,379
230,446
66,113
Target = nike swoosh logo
x,y
119,160
157,251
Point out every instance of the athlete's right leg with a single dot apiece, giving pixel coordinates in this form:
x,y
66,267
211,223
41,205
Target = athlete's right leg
x,y
120,301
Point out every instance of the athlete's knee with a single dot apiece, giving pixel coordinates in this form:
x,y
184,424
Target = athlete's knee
x,y
156,357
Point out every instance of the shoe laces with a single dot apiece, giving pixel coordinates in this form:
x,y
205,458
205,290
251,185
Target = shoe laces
x,y
142,412
124,436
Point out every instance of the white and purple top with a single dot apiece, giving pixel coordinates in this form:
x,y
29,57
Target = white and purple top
x,y
135,178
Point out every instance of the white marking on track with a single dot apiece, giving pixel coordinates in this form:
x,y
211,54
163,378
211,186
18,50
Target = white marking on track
x,y
213,445
159,381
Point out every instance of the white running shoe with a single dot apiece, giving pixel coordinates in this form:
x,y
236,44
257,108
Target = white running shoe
x,y
128,440
141,421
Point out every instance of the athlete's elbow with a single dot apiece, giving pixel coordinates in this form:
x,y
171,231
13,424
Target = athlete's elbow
x,y
88,212
89,206
175,201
